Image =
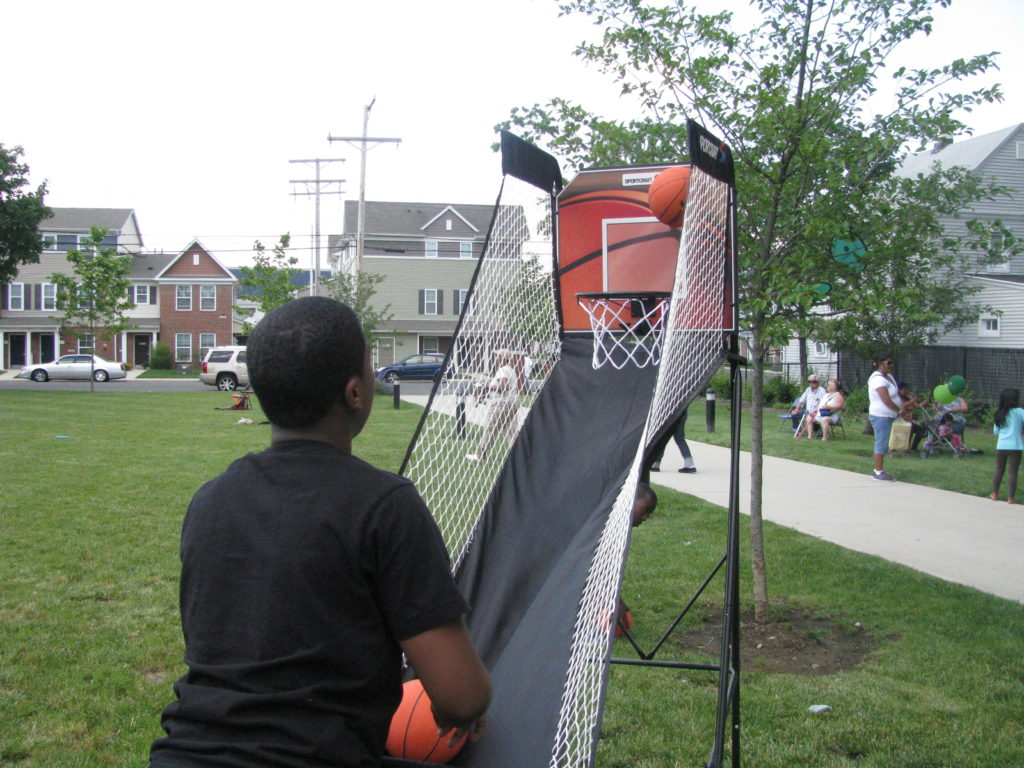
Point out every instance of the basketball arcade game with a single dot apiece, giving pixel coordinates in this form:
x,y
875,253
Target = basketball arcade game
x,y
626,318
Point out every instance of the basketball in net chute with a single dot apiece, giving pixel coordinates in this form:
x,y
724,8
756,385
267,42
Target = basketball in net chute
x,y
666,196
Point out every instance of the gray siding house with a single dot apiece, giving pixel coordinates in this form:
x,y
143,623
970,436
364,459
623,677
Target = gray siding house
x,y
427,253
998,155
30,331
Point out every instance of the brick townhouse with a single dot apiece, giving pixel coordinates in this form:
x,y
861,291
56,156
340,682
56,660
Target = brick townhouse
x,y
183,300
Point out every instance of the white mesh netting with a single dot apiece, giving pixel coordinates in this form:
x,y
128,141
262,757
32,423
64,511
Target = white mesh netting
x,y
627,329
693,348
509,320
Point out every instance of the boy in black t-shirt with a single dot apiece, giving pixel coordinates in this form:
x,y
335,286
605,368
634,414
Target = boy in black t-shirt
x,y
307,572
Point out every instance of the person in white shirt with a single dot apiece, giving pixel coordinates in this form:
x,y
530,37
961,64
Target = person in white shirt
x,y
503,398
809,400
884,405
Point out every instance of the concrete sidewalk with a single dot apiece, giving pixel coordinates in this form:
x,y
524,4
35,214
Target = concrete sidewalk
x,y
968,540
964,539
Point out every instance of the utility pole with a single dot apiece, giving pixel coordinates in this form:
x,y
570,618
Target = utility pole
x,y
362,142
314,282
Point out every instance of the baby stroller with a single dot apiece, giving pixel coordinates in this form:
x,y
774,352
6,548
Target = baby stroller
x,y
942,435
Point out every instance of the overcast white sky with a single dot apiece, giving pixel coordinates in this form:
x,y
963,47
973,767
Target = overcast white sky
x,y
189,111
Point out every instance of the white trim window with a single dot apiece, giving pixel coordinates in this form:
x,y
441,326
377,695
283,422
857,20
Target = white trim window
x,y
429,301
997,245
207,341
460,300
141,294
988,327
49,297
16,297
53,241
207,298
465,249
86,344
183,298
183,347
430,345
430,249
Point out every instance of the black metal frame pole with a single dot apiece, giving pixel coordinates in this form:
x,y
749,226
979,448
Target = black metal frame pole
x,y
729,670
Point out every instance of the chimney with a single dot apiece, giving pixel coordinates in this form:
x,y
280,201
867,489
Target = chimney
x,y
940,145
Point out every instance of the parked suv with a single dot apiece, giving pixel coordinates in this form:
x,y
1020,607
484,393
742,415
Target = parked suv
x,y
225,367
426,366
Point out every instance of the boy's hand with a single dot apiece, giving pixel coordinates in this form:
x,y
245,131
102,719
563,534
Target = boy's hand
x,y
458,733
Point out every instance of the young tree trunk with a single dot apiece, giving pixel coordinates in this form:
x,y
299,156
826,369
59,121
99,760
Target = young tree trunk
x,y
757,560
804,372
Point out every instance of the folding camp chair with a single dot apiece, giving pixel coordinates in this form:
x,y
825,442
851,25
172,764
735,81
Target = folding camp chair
x,y
240,402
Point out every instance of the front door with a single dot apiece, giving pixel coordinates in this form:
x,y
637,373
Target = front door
x,y
141,349
47,348
16,349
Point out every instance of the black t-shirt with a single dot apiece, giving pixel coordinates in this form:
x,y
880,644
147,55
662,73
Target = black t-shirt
x,y
302,568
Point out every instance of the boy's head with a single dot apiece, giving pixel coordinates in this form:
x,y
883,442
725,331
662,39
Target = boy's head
x,y
302,356
644,503
947,418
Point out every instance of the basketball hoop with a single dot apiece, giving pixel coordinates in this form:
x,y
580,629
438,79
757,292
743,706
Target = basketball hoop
x,y
628,327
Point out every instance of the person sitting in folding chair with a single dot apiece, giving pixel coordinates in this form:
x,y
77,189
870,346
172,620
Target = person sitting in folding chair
x,y
829,409
808,401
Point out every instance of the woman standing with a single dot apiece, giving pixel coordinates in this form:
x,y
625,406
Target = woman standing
x,y
884,406
1009,418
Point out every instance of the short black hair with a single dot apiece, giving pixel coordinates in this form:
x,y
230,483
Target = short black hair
x,y
301,356
645,492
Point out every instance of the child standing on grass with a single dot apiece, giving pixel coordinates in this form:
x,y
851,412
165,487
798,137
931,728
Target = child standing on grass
x,y
1009,423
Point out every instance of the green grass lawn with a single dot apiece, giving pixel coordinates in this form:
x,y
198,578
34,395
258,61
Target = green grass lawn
x,y
95,486
971,474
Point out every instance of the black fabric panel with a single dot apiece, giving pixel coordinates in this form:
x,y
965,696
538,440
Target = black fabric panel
x,y
529,163
525,571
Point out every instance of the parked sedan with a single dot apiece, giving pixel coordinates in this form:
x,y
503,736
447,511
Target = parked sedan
x,y
74,367
413,367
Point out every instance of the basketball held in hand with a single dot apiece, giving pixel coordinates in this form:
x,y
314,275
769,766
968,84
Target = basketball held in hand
x,y
666,197
413,732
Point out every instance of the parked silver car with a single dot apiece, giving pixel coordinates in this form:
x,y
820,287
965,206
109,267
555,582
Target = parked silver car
x,y
74,367
225,368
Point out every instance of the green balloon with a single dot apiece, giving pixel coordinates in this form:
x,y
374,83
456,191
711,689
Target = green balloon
x,y
956,384
942,394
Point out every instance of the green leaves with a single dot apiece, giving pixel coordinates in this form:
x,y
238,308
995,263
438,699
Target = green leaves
x,y
94,297
269,281
21,212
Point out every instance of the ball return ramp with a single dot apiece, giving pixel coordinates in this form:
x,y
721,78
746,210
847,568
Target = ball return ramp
x,y
612,323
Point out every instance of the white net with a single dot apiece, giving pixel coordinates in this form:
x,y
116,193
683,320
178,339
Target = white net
x,y
693,348
627,328
505,349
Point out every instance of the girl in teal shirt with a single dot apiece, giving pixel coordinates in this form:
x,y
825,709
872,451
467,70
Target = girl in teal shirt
x,y
1009,424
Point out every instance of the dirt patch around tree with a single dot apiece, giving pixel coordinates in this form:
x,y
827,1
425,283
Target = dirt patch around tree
x,y
796,641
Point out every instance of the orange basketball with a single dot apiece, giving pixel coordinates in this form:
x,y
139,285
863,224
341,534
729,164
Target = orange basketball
x,y
413,732
666,196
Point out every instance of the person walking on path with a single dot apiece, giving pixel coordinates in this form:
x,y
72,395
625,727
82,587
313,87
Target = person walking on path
x,y
1009,423
678,434
884,405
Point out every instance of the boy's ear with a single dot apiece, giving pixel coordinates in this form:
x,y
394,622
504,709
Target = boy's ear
x,y
354,396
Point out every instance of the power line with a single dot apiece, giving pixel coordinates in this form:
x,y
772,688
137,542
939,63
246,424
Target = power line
x,y
318,189
362,141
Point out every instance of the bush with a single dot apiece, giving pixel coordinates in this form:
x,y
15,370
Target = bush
x,y
780,392
161,357
720,383
857,399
